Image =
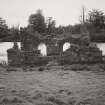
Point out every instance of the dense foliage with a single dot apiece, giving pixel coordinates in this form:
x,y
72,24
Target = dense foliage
x,y
95,24
37,22
3,28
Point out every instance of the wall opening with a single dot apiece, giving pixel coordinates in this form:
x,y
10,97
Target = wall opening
x,y
66,46
101,46
43,49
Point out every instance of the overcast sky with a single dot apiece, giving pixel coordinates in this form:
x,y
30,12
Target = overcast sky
x,y
63,11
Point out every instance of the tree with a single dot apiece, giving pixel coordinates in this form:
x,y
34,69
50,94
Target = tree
x,y
97,19
50,25
15,33
76,29
37,22
3,28
59,30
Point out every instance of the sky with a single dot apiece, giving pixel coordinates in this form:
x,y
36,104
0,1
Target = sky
x,y
65,12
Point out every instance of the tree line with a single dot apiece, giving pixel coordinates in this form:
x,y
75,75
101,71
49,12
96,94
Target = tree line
x,y
95,23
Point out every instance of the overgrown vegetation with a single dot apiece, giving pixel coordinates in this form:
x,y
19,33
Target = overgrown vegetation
x,y
37,22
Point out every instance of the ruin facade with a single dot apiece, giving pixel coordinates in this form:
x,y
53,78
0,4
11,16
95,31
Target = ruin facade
x,y
82,50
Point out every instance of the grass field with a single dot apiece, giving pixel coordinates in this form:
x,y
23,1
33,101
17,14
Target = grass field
x,y
52,87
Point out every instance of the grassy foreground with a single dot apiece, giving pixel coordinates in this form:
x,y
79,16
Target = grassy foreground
x,y
56,86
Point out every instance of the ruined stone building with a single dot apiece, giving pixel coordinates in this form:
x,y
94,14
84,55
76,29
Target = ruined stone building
x,y
82,50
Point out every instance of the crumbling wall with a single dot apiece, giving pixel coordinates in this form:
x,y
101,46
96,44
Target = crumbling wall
x,y
81,54
14,57
80,51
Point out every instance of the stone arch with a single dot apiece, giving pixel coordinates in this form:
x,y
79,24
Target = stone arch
x,y
66,46
43,49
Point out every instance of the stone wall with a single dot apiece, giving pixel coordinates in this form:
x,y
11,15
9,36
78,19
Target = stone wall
x,y
14,57
80,51
17,57
81,54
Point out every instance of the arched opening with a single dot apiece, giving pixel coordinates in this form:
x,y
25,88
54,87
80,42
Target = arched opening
x,y
43,49
101,46
66,46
